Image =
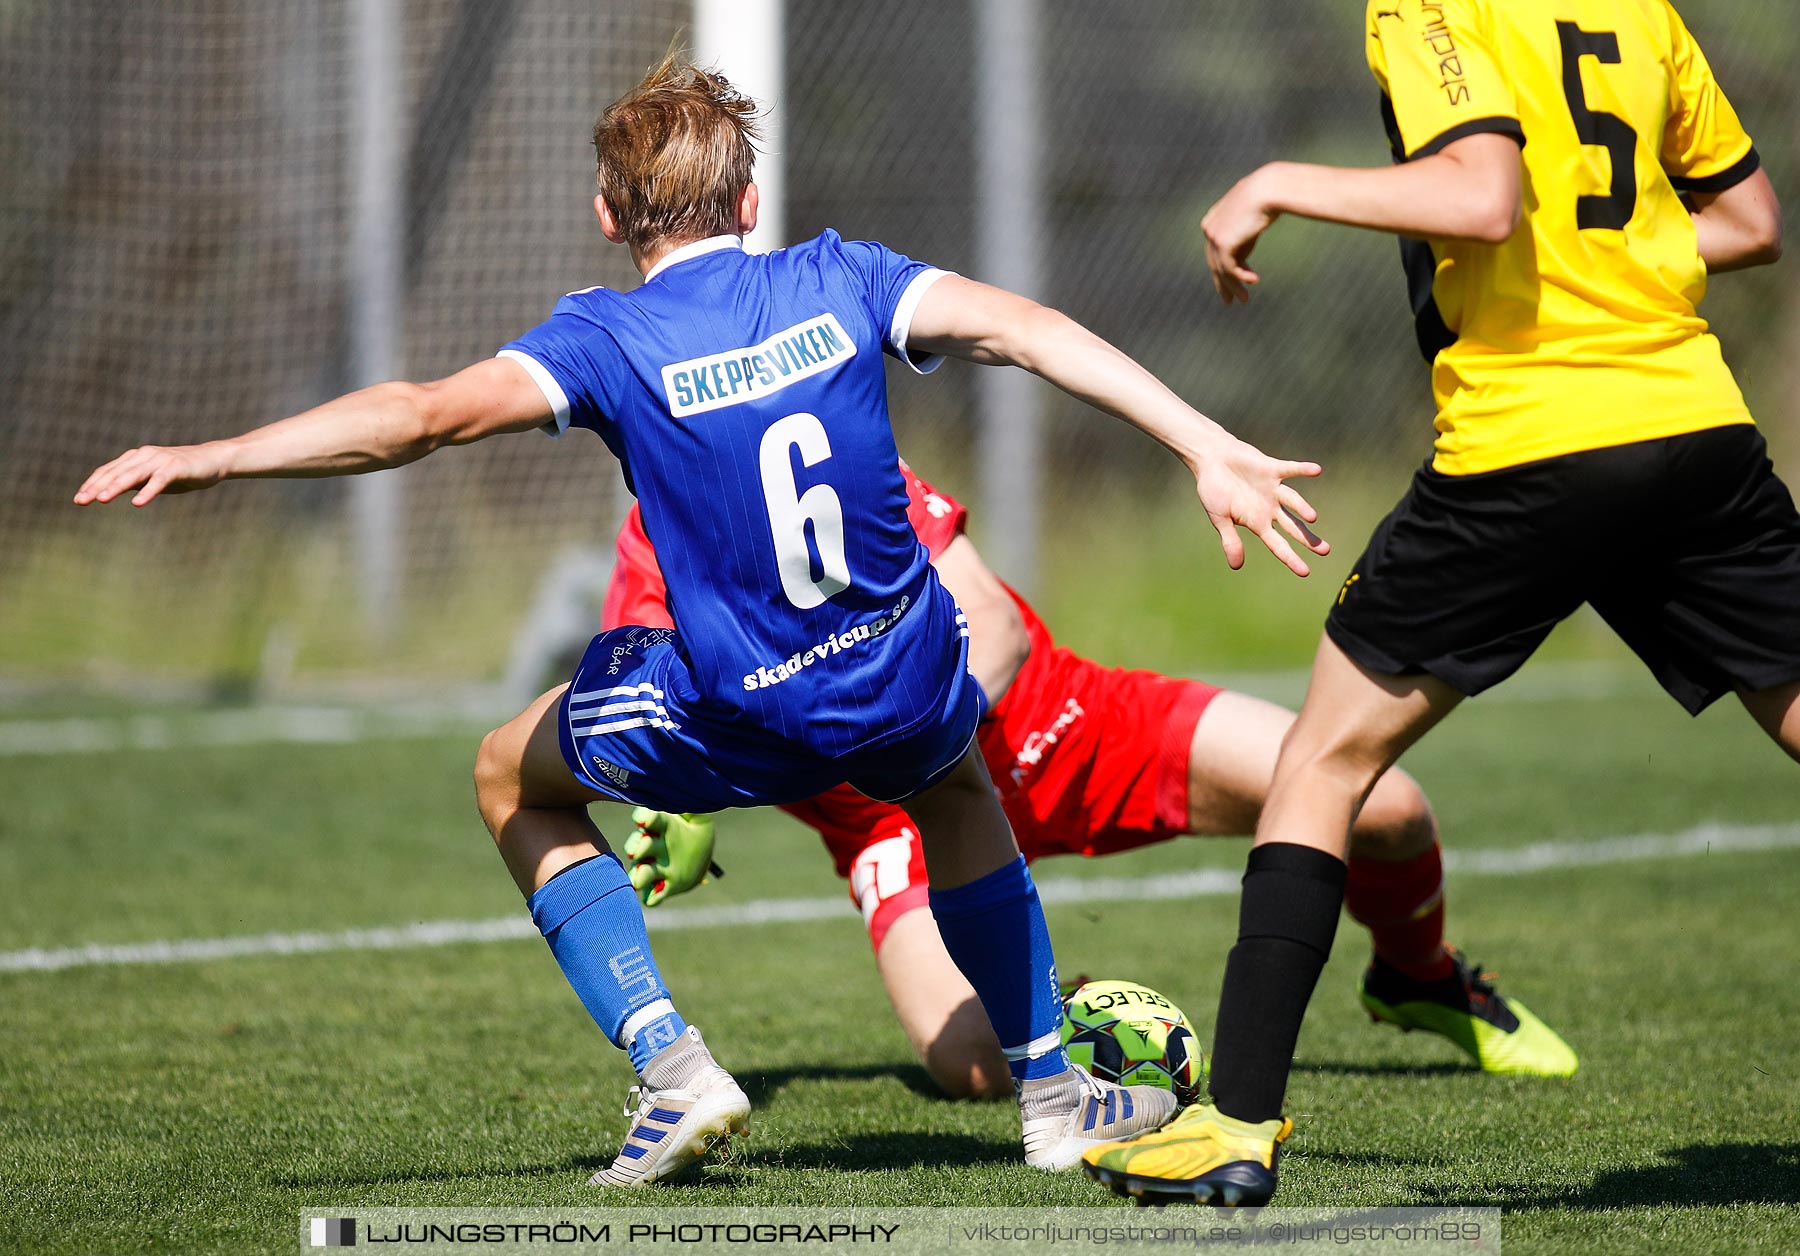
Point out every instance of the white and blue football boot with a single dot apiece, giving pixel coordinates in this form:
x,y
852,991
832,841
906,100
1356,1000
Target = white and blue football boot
x,y
1064,1115
674,1126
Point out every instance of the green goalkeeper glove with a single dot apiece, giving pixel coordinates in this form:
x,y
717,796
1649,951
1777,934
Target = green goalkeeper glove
x,y
669,854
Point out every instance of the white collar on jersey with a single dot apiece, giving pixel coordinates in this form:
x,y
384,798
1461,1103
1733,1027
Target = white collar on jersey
x,y
688,252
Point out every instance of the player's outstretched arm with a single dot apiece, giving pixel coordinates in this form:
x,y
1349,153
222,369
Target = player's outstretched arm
x,y
1739,227
388,425
1239,485
1471,190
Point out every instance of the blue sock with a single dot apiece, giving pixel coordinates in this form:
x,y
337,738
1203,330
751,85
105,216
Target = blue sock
x,y
994,929
591,919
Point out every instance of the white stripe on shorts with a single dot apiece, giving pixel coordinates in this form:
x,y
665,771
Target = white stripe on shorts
x,y
619,726
643,687
615,708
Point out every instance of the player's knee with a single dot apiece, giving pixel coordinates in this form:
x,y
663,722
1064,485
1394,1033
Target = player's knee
x,y
966,1065
966,785
1340,754
1396,820
983,1080
496,781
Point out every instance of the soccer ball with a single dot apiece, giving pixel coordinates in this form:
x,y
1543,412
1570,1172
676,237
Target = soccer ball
x,y
1123,1032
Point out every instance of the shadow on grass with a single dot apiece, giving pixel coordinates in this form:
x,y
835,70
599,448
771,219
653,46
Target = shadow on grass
x,y
892,1149
587,1165
1695,1176
1440,1068
763,1087
889,1151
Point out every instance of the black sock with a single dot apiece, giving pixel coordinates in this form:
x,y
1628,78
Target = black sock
x,y
1286,920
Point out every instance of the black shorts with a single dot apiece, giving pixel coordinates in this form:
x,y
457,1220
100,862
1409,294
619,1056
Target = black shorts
x,y
1689,547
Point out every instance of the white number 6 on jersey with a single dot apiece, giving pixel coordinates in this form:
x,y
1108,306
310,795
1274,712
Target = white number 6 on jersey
x,y
790,509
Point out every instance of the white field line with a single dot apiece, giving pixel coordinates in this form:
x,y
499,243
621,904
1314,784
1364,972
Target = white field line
x,y
471,713
1205,883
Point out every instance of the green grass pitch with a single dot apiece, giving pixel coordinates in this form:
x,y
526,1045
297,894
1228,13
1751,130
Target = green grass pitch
x,y
199,1107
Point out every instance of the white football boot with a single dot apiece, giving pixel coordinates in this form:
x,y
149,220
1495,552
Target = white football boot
x,y
674,1126
1066,1114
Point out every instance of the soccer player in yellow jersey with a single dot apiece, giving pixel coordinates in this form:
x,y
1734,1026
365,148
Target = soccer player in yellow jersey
x,y
1567,173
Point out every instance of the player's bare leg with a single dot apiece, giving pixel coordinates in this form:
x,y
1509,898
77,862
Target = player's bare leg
x,y
962,830
1777,710
964,836
537,813
1353,726
533,806
1394,888
939,1011
1232,760
992,925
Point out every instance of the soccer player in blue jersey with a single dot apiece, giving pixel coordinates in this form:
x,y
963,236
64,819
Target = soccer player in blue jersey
x,y
746,401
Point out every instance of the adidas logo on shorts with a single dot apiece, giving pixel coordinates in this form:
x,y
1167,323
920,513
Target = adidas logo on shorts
x,y
612,772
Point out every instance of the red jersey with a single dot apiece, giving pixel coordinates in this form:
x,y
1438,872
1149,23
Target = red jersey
x,y
1086,759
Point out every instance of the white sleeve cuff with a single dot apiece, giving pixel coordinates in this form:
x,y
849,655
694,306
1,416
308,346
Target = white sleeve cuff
x,y
546,382
924,363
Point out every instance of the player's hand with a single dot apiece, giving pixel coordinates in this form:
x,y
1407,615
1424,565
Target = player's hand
x,y
1232,227
1242,487
669,854
154,470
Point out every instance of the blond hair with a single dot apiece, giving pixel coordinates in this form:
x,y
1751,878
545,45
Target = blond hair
x,y
675,153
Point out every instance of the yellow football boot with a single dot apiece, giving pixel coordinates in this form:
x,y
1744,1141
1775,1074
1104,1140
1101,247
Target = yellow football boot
x,y
1501,1035
1201,1157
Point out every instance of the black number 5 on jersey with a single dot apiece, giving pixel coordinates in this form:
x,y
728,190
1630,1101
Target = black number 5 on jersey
x,y
1602,130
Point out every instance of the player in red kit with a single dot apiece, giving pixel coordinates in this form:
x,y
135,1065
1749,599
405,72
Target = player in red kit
x,y
1090,760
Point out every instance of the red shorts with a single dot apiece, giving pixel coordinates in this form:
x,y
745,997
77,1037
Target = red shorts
x,y
1087,759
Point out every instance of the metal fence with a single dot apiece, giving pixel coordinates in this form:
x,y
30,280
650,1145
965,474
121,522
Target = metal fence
x,y
197,193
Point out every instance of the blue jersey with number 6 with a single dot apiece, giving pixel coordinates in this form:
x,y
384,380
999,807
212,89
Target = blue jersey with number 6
x,y
745,397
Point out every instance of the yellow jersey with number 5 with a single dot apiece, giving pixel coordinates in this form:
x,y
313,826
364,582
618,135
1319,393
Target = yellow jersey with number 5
x,y
1581,331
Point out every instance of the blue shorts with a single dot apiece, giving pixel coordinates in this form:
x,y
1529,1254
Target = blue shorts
x,y
627,734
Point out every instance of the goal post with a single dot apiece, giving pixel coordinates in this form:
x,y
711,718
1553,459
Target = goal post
x,y
375,279
746,39
1009,242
